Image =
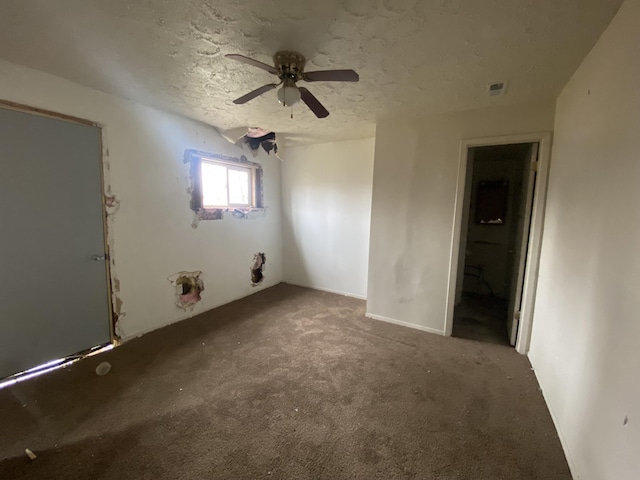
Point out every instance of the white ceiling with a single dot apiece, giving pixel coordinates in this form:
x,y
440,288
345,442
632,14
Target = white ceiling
x,y
414,57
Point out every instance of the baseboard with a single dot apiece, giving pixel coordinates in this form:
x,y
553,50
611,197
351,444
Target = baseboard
x,y
328,290
404,324
565,446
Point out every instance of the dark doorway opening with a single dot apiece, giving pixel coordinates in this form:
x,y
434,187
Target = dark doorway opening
x,y
496,218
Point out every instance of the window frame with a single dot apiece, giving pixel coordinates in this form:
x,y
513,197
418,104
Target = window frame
x,y
195,158
250,169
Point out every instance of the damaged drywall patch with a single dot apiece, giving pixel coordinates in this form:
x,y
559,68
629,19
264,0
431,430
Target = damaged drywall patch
x,y
257,269
189,287
117,311
249,213
254,138
116,303
111,206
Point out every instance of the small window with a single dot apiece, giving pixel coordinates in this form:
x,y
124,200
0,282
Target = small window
x,y
220,183
224,185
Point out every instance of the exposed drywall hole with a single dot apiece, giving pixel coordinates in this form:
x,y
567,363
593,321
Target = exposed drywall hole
x,y
189,287
498,88
111,204
257,275
254,138
118,313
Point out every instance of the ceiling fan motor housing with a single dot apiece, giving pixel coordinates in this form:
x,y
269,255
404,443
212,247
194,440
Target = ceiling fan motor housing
x,y
290,65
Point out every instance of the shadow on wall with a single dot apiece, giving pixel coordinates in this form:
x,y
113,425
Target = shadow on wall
x,y
610,347
294,267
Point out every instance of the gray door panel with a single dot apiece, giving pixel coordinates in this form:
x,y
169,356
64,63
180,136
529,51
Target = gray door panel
x,y
53,295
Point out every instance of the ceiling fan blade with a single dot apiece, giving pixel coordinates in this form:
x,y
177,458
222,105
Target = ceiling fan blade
x,y
251,61
331,76
313,103
256,93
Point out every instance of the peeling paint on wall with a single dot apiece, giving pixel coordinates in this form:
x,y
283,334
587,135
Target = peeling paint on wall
x,y
189,287
257,269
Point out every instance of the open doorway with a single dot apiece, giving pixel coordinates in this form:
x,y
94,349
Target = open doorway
x,y
494,235
521,313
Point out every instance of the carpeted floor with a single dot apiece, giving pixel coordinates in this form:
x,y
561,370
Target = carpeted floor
x,y
289,383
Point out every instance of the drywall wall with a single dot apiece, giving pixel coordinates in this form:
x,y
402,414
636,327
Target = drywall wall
x,y
414,193
326,215
151,232
585,343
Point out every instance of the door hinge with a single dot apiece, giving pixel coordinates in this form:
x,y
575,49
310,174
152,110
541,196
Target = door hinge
x,y
517,315
534,166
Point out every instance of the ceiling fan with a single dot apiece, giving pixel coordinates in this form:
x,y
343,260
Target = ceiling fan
x,y
289,68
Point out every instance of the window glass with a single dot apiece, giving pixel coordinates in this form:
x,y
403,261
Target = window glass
x,y
214,185
239,187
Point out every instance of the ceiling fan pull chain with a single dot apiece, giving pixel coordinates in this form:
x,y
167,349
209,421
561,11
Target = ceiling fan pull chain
x,y
291,111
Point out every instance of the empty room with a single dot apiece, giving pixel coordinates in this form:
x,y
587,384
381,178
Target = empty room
x,y
319,240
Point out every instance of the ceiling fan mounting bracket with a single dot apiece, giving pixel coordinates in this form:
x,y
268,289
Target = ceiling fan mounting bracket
x,y
290,65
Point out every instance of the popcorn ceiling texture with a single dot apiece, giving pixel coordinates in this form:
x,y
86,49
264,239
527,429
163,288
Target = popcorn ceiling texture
x,y
414,57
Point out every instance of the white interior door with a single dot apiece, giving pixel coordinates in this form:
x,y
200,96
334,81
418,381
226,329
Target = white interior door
x,y
522,242
53,295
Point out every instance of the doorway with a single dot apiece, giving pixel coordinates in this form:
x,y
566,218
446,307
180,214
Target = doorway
x,y
497,212
54,300
497,237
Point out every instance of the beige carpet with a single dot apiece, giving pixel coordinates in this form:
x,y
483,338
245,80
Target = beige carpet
x,y
289,383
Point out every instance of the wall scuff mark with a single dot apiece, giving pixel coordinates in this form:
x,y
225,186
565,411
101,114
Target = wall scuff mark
x,y
189,287
257,275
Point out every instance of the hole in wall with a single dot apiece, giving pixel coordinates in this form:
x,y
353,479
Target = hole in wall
x,y
189,287
257,269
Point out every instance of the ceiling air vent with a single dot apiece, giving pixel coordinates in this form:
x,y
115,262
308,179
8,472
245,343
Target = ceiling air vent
x,y
496,89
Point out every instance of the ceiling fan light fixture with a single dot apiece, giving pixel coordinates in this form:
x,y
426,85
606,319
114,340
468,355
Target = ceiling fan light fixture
x,y
289,94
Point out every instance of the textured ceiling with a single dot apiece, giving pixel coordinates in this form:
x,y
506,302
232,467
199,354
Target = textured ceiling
x,y
414,57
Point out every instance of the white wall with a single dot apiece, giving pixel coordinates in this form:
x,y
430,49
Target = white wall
x,y
327,208
151,233
585,343
414,193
